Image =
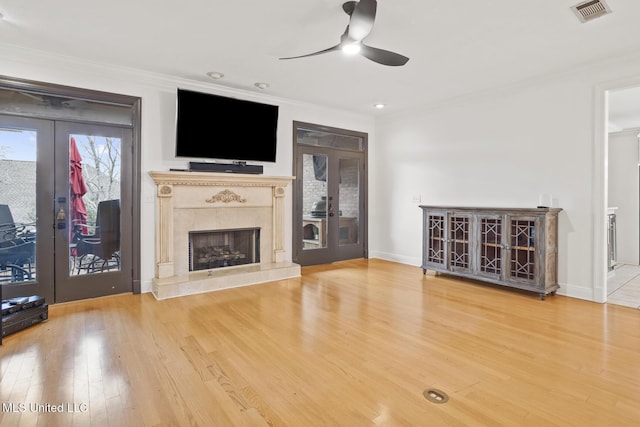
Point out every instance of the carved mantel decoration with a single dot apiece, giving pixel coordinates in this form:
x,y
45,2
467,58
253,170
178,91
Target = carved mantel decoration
x,y
165,190
226,196
184,203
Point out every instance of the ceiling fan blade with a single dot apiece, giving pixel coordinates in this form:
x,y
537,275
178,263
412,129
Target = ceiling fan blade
x,y
348,7
362,18
320,52
382,56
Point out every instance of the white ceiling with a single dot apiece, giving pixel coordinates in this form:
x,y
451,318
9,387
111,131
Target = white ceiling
x,y
457,47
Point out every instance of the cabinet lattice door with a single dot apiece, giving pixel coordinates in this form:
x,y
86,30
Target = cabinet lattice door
x,y
459,239
491,246
435,230
523,255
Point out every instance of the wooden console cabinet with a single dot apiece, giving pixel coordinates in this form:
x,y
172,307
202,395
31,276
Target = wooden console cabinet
x,y
512,247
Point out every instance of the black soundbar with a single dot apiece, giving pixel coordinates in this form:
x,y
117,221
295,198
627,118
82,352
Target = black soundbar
x,y
239,167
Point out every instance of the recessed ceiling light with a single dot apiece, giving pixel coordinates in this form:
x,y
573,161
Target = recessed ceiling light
x,y
261,85
215,75
379,106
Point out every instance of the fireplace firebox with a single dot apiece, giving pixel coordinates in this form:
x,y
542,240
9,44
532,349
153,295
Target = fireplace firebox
x,y
223,248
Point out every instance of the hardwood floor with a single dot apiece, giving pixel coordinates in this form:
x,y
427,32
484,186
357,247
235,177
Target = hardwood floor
x,y
350,344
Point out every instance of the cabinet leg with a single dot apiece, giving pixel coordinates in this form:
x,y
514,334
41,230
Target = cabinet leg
x,y
542,297
424,271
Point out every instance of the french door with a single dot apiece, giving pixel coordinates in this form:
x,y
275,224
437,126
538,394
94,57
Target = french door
x,y
329,195
65,209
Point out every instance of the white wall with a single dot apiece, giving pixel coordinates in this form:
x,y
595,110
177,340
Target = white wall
x,y
624,193
504,148
158,121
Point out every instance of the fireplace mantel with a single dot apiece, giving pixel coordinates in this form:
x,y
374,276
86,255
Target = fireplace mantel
x,y
193,201
213,178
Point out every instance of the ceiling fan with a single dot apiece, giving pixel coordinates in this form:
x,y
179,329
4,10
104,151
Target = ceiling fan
x,y
362,15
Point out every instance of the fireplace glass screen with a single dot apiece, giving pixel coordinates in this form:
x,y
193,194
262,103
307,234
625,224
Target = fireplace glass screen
x,y
223,248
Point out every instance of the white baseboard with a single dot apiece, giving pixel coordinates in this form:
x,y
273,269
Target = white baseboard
x,y
579,292
146,287
394,257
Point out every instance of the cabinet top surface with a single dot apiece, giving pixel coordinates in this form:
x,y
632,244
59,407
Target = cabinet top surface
x,y
490,209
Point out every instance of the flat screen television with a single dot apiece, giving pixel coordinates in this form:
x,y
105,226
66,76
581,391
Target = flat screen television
x,y
217,127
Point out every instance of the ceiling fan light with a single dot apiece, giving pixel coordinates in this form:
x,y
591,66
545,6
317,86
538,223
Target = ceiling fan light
x,y
351,48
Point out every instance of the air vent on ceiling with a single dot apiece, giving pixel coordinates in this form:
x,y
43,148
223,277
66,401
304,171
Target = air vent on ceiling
x,y
592,9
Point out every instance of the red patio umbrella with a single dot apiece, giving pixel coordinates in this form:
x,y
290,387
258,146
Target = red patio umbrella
x,y
77,189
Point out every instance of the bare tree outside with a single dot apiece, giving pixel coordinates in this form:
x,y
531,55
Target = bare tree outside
x,y
4,150
101,170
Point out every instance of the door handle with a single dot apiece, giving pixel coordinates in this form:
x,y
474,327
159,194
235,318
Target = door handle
x,y
61,215
61,219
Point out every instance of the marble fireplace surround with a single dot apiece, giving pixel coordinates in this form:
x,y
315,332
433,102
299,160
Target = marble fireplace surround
x,y
205,201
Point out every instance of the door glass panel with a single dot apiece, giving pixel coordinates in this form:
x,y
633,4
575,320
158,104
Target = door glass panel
x,y
94,204
314,201
349,200
17,205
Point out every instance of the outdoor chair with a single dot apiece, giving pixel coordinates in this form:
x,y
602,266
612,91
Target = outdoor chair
x,y
97,247
17,248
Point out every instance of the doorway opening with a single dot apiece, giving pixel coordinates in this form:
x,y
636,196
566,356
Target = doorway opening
x,y
330,194
623,197
70,188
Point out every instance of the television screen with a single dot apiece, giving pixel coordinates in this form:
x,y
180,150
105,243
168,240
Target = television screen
x,y
217,127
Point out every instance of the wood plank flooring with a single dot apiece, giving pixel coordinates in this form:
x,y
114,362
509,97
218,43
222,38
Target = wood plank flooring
x,y
349,344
